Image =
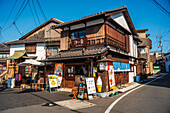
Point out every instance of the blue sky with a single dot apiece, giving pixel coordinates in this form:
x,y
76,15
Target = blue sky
x,y
145,14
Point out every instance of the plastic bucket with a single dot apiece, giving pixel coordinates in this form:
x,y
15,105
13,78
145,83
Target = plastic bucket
x,y
137,78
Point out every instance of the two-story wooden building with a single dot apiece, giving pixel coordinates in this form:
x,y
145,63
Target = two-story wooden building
x,y
108,36
37,44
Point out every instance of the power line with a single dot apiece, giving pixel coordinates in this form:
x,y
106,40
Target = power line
x,y
21,11
17,28
162,8
9,14
35,11
7,28
42,12
32,14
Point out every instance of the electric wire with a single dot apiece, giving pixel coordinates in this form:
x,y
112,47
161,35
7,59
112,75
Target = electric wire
x,y
7,28
32,14
35,11
162,8
9,14
42,12
21,11
17,28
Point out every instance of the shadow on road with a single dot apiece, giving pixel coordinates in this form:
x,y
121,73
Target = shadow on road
x,y
161,82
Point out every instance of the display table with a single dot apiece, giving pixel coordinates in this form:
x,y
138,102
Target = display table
x,y
36,86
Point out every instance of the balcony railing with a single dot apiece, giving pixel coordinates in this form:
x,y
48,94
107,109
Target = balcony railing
x,y
116,43
97,40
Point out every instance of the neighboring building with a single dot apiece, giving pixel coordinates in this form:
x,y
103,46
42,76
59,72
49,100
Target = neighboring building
x,y
167,62
156,58
40,42
108,36
4,53
144,49
156,54
37,44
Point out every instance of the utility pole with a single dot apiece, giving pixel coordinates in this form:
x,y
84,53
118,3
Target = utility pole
x,y
161,50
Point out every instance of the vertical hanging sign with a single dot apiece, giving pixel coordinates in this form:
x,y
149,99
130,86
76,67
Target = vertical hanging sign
x,y
111,75
58,69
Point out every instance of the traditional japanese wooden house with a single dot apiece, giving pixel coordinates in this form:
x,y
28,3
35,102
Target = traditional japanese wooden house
x,y
37,44
91,41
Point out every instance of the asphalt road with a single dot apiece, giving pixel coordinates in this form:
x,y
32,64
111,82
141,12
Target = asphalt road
x,y
152,98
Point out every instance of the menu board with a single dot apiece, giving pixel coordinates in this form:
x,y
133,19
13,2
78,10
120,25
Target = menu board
x,y
91,88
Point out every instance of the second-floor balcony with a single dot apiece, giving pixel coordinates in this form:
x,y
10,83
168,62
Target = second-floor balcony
x,y
98,40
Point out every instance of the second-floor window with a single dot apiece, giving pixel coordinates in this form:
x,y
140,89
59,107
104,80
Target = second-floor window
x,y
30,48
52,50
78,34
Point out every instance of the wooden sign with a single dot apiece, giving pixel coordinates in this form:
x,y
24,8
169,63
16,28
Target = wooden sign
x,y
79,42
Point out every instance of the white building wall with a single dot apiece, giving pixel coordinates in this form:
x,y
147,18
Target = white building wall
x,y
41,51
131,77
131,45
135,52
16,47
120,19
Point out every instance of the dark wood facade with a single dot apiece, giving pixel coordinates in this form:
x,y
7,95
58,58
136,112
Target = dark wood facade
x,y
106,33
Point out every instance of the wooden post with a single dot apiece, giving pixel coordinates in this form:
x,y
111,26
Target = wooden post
x,y
45,76
91,68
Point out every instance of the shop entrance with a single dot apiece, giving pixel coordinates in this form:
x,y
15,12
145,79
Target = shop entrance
x,y
76,75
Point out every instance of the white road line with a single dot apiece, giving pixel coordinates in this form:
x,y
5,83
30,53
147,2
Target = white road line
x,y
116,101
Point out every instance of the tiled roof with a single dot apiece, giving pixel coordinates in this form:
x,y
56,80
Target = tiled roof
x,y
145,42
79,53
4,49
122,9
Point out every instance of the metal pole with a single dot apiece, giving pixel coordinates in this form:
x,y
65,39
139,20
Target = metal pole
x,y
161,50
162,53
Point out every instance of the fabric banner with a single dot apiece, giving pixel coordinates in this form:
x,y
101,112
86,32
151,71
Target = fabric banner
x,y
116,66
58,69
111,75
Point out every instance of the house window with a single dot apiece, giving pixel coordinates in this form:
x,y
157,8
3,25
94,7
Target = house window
x,y
30,48
52,51
78,34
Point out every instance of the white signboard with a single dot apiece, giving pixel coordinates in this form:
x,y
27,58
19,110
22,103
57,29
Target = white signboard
x,y
54,81
91,88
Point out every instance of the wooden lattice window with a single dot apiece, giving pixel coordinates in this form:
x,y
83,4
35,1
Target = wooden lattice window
x,y
30,48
